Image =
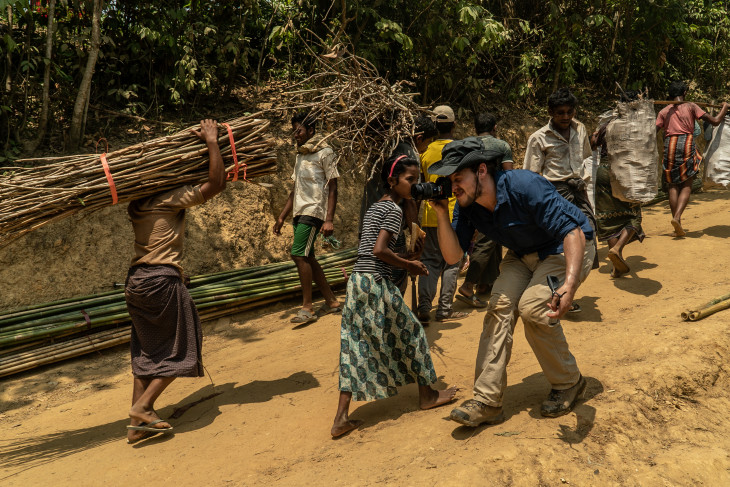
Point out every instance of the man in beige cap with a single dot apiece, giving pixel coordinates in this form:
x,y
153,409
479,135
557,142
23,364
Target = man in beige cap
x,y
431,256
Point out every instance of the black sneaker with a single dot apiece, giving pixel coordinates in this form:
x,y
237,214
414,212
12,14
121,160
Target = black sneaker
x,y
562,402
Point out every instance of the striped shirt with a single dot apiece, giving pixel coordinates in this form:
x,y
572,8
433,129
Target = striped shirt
x,y
382,215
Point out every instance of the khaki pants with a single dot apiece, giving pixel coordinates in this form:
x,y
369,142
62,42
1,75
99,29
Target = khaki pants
x,y
521,288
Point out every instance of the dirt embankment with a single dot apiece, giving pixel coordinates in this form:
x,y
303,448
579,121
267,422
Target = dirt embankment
x,y
89,253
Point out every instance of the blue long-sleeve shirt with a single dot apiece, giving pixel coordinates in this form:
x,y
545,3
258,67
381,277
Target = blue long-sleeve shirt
x,y
530,216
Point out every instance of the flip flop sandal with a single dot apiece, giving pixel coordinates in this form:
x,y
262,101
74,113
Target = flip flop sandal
x,y
304,316
678,230
619,265
472,300
150,426
147,434
575,308
326,309
453,315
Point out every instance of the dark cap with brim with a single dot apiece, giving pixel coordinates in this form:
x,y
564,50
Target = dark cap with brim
x,y
461,154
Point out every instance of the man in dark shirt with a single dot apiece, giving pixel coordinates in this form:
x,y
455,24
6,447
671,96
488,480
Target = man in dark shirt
x,y
546,236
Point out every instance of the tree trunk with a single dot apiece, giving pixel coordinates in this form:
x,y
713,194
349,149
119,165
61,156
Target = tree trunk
x,y
29,29
76,129
8,55
46,97
556,76
5,116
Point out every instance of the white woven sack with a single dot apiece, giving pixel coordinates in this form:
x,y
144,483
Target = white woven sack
x,y
717,155
632,152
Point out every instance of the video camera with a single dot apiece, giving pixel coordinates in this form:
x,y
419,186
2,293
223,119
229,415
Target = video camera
x,y
440,190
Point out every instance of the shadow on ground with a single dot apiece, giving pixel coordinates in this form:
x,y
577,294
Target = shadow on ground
x,y
528,396
34,451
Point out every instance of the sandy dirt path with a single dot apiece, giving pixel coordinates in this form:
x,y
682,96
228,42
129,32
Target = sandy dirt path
x,y
655,411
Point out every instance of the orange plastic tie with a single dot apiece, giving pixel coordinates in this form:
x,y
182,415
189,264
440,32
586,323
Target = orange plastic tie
x,y
105,165
235,156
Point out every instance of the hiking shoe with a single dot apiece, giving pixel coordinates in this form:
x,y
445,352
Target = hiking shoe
x,y
473,413
424,318
559,403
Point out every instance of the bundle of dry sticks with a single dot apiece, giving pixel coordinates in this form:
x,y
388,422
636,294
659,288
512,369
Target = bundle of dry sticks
x,y
365,116
53,188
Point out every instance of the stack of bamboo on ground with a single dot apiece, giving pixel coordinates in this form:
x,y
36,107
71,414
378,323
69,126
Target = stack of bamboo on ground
x,y
47,333
39,191
707,309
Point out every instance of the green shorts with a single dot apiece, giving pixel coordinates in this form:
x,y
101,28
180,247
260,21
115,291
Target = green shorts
x,y
304,236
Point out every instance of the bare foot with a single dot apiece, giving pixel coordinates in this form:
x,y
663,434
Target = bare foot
x,y
438,398
139,416
341,427
678,230
135,436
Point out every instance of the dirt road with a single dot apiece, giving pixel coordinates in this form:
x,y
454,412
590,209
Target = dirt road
x,y
655,412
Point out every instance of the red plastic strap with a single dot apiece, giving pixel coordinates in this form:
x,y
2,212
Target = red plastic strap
x,y
109,178
235,156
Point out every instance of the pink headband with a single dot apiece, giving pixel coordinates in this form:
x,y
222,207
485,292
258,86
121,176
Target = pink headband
x,y
394,163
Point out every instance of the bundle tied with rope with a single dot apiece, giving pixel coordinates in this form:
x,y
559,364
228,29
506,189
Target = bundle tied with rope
x,y
365,116
42,190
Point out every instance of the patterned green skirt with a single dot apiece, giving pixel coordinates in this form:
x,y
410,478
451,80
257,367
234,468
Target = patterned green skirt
x,y
382,343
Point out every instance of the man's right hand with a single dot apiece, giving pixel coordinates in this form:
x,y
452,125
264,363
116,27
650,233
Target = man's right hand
x,y
208,132
277,226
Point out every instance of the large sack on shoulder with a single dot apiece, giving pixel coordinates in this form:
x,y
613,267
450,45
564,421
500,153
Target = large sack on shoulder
x,y
717,155
632,152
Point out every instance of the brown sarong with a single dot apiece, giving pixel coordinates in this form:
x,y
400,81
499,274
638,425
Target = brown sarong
x,y
166,331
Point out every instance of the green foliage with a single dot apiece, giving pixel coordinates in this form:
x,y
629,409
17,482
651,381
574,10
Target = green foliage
x,y
173,54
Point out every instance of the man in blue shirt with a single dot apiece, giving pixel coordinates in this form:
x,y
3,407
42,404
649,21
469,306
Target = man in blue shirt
x,y
546,236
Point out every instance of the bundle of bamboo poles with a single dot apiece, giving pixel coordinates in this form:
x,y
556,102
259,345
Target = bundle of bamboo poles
x,y
46,333
39,191
707,309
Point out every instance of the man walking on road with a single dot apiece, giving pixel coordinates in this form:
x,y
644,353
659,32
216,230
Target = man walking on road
x,y
313,201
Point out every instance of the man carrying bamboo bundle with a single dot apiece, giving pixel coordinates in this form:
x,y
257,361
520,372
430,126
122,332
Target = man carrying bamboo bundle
x,y
548,241
681,161
166,332
313,201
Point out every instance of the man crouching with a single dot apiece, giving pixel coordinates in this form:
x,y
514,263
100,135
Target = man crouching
x,y
166,332
546,236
